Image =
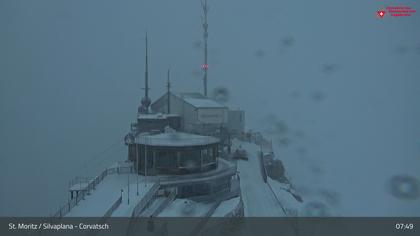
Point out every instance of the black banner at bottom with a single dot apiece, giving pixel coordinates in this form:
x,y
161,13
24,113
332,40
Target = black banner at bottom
x,y
260,226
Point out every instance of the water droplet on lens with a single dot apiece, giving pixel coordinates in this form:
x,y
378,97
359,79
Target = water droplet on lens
x,y
404,187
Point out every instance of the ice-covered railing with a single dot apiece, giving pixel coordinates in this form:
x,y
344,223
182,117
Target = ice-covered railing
x,y
147,199
256,138
170,198
89,185
79,182
266,146
112,208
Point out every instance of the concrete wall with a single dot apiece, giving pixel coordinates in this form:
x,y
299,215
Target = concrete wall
x,y
212,115
177,106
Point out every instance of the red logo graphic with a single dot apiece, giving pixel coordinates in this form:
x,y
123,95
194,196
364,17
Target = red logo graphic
x,y
381,13
395,11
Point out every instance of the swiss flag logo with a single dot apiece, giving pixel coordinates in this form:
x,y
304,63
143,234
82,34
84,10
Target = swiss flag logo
x,y
381,13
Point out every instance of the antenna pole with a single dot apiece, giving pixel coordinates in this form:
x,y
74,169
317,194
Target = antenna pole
x,y
128,188
205,27
146,73
168,85
145,161
137,166
145,101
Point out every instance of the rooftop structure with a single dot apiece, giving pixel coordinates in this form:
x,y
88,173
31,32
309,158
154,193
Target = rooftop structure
x,y
200,114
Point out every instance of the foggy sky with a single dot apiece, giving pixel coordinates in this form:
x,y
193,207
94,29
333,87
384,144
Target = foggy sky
x,y
71,74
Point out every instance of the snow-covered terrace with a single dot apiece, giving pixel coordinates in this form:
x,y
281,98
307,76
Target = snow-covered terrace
x,y
108,192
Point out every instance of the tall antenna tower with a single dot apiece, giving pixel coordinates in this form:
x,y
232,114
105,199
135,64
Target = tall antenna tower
x,y
205,66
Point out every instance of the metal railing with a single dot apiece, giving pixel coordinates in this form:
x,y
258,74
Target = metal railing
x,y
141,205
79,181
262,166
113,208
92,183
238,211
166,202
265,176
257,138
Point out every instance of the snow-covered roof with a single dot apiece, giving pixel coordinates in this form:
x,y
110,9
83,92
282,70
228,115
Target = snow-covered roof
x,y
196,100
176,139
199,101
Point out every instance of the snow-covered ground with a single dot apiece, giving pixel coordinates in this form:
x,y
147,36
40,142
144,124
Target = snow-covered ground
x,y
226,207
107,193
185,208
258,199
289,203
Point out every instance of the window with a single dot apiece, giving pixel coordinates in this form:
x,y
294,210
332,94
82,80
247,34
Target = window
x,y
190,159
165,159
207,155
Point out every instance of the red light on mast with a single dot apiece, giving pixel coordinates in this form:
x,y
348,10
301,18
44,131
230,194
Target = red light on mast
x,y
205,66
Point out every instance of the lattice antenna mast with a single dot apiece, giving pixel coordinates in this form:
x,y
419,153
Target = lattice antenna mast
x,y
205,35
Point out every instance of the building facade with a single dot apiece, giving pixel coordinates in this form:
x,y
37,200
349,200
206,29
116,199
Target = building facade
x,y
200,114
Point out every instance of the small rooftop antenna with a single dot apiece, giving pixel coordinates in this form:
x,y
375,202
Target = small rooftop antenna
x,y
205,66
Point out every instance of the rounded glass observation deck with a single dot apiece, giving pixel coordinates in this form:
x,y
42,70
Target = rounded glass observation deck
x,y
174,153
